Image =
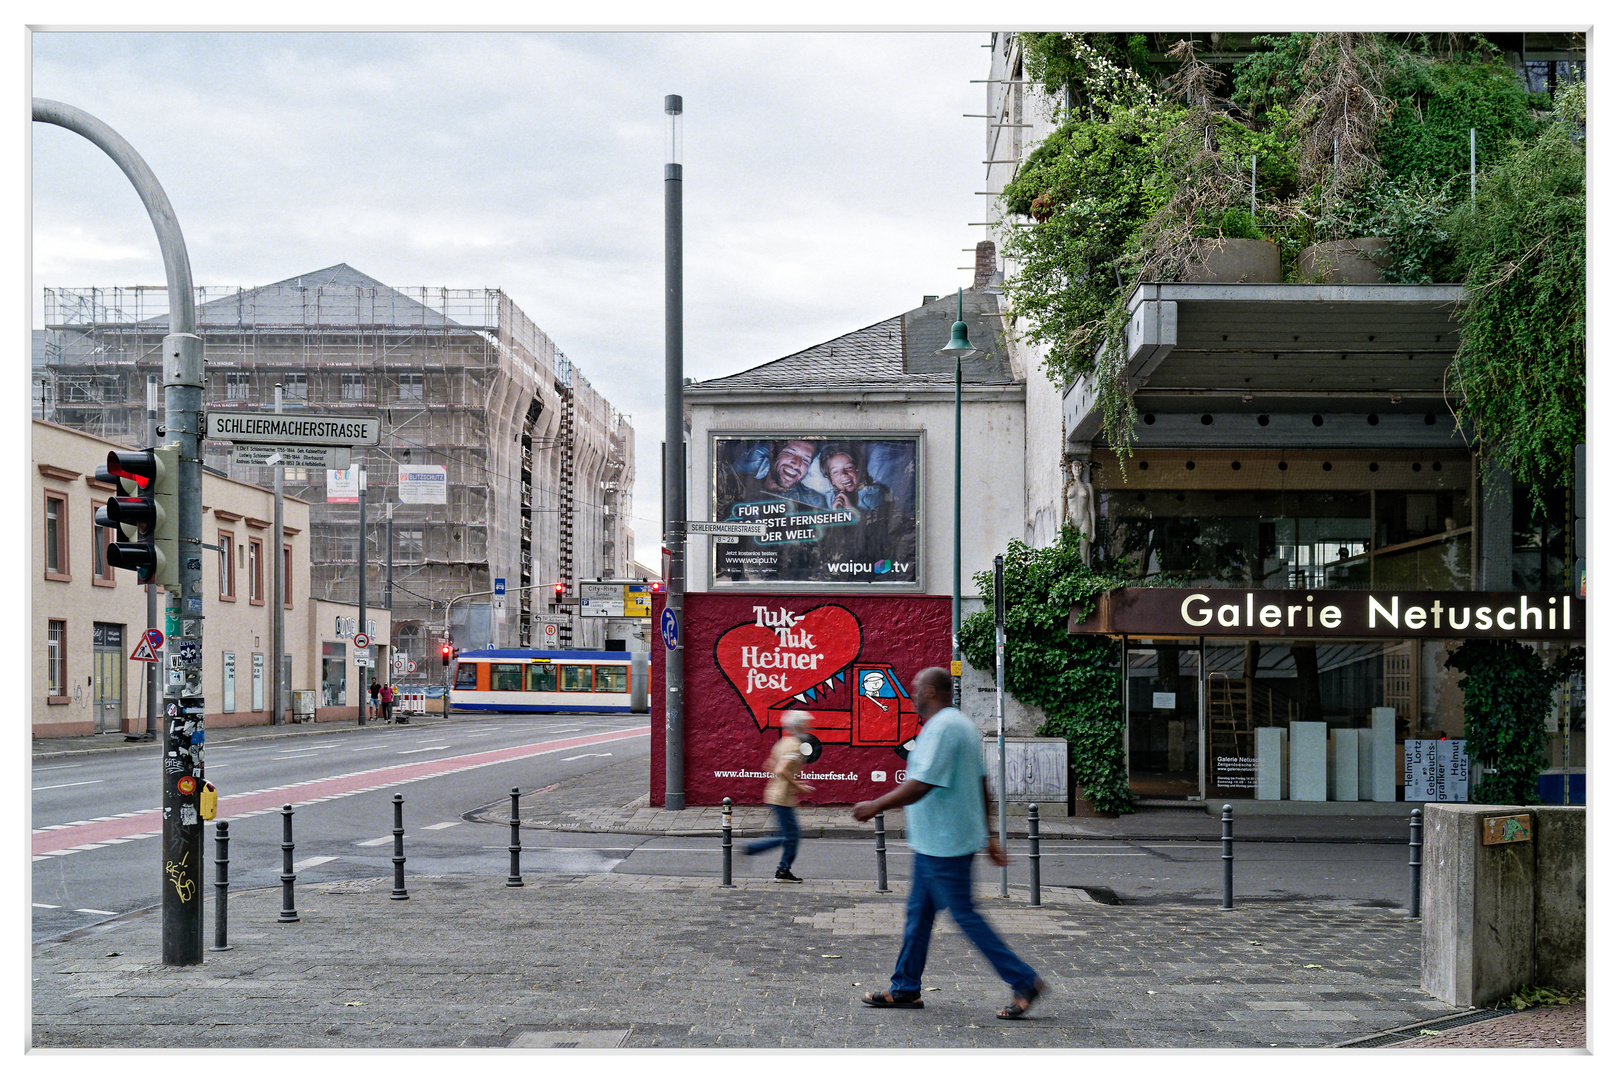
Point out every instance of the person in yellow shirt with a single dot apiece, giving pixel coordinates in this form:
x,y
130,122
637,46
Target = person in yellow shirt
x,y
781,792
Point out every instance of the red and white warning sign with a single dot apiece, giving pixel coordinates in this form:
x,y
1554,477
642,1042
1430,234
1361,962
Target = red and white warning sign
x,y
145,651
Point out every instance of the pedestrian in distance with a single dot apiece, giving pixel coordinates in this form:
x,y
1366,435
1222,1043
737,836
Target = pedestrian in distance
x,y
781,792
386,695
947,824
376,689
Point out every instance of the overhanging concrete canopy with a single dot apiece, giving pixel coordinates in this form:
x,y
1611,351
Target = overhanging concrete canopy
x,y
1192,347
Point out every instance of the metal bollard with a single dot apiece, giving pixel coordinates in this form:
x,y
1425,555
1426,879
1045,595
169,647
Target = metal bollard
x,y
881,856
1033,855
221,862
288,912
724,844
514,880
1415,864
398,850
1228,839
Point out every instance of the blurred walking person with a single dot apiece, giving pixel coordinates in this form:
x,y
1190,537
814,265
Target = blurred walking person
x,y
781,792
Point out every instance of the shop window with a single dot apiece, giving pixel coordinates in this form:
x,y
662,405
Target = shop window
x,y
1540,538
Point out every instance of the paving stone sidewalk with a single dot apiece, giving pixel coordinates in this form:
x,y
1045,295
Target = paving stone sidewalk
x,y
680,962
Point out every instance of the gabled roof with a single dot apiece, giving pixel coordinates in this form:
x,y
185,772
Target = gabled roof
x,y
336,296
901,351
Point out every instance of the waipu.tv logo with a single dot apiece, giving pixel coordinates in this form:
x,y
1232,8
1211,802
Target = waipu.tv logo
x,y
886,566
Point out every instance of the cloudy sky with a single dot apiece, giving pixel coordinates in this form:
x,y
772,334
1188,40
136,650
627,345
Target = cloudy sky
x,y
829,179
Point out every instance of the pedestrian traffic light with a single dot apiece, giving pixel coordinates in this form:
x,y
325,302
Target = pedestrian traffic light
x,y
146,513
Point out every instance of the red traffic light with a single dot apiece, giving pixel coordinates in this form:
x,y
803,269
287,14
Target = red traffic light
x,y
561,589
657,586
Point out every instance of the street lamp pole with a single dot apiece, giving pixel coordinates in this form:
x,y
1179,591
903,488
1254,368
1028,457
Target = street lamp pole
x,y
961,349
673,467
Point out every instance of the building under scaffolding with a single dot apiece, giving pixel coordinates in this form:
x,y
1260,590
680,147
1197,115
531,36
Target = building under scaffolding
x,y
538,466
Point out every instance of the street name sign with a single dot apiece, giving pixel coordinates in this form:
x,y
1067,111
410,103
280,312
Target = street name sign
x,y
294,429
726,528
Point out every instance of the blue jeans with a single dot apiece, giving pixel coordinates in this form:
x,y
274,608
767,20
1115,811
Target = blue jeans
x,y
786,821
945,883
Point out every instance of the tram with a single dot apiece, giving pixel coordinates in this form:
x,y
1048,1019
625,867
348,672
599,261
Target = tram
x,y
529,680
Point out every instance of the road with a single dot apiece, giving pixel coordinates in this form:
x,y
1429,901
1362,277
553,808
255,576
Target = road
x,y
96,821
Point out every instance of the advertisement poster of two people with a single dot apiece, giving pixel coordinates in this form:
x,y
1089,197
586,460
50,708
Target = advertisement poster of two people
x,y
836,509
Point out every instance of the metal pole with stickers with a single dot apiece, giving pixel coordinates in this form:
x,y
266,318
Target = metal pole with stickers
x,y
183,710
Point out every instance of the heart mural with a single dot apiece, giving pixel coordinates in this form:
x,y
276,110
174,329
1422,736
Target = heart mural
x,y
782,654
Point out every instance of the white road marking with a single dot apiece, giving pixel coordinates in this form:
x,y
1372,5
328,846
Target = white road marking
x,y
52,906
93,911
576,757
378,842
77,783
442,825
316,861
423,749
57,768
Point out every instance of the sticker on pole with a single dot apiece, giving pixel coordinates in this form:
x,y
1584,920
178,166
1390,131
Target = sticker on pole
x,y
186,785
671,629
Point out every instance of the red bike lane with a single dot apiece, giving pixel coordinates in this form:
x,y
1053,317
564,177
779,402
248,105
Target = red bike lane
x,y
53,841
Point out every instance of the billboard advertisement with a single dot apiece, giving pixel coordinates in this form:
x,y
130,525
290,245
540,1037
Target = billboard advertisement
x,y
837,509
847,660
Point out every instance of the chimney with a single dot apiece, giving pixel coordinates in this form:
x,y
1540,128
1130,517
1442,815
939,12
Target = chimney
x,y
984,273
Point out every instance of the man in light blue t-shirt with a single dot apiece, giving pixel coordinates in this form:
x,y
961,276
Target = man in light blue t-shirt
x,y
946,825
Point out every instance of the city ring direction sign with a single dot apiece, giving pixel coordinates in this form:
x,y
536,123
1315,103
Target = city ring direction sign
x,y
291,457
293,429
726,528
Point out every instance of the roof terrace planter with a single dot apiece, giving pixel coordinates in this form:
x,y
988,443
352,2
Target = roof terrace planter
x,y
1358,261
1234,261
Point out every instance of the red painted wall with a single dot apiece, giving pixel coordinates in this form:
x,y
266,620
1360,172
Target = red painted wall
x,y
749,657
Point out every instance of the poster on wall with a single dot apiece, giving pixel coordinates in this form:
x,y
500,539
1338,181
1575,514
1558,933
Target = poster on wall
x,y
848,661
836,509
1436,770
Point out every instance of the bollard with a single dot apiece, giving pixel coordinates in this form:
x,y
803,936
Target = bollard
x,y
398,849
514,880
1033,855
881,856
1228,838
1415,864
221,862
724,844
288,912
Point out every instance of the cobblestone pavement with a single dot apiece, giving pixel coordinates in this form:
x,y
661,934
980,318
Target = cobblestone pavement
x,y
681,962
615,960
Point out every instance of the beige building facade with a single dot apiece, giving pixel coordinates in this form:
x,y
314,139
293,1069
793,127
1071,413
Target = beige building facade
x,y
87,618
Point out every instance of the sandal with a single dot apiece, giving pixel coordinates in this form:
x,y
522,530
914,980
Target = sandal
x,y
887,999
1020,1005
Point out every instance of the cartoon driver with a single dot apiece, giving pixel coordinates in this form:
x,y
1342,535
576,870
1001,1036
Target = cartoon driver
x,y
874,685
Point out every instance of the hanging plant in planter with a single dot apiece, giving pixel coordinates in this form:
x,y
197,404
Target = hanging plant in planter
x,y
1505,696
1074,680
1520,367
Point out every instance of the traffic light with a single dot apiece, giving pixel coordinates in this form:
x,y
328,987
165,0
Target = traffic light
x,y
146,513
448,653
561,589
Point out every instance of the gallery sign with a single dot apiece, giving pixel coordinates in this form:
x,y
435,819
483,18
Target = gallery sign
x,y
831,509
1332,613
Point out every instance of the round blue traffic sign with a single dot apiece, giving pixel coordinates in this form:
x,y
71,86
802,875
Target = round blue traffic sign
x,y
671,629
